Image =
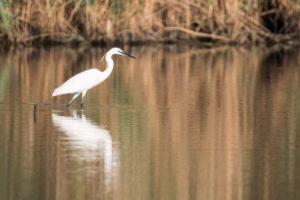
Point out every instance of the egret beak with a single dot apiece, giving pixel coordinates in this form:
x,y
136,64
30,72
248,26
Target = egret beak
x,y
126,54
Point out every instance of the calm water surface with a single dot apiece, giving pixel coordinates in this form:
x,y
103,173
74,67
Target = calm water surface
x,y
176,123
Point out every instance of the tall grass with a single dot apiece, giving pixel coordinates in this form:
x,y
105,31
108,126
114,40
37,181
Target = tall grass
x,y
234,21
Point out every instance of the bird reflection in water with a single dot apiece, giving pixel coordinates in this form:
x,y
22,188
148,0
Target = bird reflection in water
x,y
86,140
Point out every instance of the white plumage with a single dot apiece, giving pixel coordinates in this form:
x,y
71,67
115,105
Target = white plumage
x,y
82,82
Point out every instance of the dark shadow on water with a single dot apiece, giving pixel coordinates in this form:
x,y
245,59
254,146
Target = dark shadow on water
x,y
276,62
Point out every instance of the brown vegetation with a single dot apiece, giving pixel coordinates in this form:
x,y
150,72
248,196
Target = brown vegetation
x,y
226,21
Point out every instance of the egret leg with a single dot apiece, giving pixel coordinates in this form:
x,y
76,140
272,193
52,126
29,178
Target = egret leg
x,y
74,97
82,97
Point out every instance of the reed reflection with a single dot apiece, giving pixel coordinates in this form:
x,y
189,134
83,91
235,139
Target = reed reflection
x,y
189,124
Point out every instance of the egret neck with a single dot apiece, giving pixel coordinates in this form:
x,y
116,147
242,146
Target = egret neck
x,y
109,66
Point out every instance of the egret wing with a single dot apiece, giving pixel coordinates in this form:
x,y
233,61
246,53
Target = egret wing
x,y
80,82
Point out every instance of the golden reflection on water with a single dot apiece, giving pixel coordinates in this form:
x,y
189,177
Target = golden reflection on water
x,y
176,123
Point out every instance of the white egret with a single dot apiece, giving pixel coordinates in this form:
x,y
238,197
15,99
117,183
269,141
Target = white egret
x,y
82,82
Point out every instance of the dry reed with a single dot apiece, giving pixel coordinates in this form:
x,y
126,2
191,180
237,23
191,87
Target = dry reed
x,y
99,21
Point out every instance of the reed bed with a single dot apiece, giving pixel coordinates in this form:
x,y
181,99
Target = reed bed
x,y
134,21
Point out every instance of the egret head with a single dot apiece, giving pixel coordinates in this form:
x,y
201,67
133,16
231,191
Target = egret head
x,y
117,51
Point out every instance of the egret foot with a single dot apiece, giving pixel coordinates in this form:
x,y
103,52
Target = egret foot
x,y
81,105
68,105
